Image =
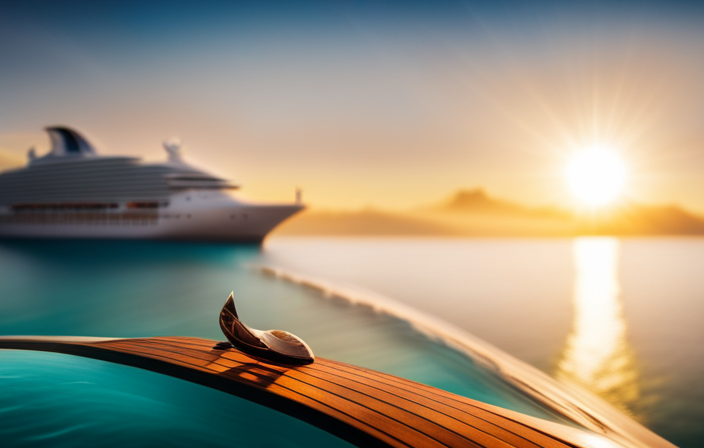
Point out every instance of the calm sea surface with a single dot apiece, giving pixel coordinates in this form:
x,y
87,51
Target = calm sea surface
x,y
621,317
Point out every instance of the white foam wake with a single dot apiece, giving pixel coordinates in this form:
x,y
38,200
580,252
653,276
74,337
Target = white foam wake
x,y
572,402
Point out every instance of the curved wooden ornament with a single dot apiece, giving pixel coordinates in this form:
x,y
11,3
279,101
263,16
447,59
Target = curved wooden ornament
x,y
276,346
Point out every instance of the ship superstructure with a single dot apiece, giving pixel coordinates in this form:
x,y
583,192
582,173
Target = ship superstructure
x,y
74,192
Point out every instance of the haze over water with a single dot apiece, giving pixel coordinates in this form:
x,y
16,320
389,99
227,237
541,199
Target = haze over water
x,y
621,317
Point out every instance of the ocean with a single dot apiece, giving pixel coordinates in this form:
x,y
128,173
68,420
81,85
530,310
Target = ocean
x,y
621,317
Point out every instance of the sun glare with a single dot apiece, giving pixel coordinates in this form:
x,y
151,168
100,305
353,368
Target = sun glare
x,y
596,176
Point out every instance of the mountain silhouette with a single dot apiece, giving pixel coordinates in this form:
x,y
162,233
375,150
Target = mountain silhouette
x,y
477,201
475,213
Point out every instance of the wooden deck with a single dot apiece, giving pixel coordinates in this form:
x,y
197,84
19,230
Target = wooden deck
x,y
364,407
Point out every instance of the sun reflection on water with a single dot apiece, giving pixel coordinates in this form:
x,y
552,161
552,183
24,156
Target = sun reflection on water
x,y
597,354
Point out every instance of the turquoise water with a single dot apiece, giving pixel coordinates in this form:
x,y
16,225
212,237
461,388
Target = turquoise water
x,y
136,289
633,305
50,399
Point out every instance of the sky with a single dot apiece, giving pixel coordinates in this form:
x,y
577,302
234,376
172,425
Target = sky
x,y
390,104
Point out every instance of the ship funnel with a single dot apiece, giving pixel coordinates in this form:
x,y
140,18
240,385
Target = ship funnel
x,y
68,142
173,149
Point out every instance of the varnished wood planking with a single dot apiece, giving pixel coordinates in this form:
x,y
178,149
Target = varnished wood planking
x,y
360,405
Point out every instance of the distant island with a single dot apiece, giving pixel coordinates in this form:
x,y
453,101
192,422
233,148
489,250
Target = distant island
x,y
476,213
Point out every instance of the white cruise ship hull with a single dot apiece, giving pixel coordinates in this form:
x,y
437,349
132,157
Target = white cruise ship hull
x,y
237,223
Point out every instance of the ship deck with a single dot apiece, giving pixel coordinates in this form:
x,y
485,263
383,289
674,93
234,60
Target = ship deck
x,y
362,406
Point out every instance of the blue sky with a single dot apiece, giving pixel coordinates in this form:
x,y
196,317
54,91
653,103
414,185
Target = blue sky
x,y
386,103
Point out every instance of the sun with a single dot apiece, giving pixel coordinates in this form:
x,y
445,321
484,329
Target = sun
x,y
596,176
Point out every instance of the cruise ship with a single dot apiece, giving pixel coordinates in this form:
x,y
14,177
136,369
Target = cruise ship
x,y
73,192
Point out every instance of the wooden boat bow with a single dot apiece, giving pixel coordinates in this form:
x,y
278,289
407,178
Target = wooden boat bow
x,y
362,406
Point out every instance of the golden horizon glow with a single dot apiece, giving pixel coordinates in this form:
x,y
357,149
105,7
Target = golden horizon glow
x,y
596,176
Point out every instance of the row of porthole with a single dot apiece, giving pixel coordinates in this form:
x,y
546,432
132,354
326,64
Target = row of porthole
x,y
174,216
244,215
103,219
66,220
